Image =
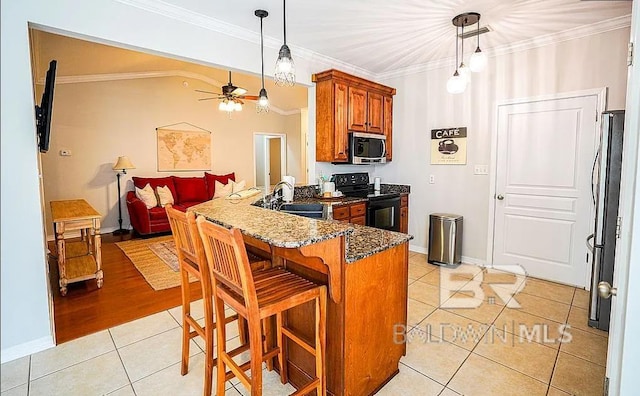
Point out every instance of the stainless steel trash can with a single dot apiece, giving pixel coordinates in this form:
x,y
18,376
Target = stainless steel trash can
x,y
445,239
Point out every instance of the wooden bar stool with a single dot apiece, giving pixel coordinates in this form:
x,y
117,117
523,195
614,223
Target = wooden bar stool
x,y
256,296
193,262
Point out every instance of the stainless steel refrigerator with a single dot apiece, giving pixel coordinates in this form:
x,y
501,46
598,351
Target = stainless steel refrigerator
x,y
606,194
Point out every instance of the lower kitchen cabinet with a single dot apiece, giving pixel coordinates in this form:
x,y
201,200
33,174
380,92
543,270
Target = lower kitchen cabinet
x,y
404,213
354,213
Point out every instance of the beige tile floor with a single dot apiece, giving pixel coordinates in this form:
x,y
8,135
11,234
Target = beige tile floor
x,y
466,337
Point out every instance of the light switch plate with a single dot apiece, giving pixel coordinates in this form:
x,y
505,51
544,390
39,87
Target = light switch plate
x,y
481,170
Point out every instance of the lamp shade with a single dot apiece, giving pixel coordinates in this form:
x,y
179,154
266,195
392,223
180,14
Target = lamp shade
x,y
123,163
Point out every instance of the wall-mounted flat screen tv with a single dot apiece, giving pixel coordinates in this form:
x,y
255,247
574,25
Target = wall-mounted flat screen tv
x,y
43,112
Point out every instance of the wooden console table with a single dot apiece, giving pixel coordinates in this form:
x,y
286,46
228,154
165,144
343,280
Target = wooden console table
x,y
77,261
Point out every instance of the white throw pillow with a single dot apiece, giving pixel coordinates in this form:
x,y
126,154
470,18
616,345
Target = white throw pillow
x,y
147,196
238,186
164,196
222,190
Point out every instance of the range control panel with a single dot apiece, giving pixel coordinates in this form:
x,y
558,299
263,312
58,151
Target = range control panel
x,y
350,179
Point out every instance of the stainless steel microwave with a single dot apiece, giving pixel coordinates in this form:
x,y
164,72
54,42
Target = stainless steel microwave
x,y
367,148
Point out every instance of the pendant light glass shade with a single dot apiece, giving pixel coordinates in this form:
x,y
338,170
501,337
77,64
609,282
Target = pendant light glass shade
x,y
285,74
263,100
464,72
478,61
456,84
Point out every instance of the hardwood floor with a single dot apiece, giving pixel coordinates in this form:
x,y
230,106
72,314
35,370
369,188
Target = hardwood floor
x,y
125,296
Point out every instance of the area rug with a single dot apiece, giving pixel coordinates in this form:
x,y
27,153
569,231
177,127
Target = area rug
x,y
145,254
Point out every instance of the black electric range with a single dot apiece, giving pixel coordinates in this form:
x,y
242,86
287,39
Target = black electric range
x,y
383,210
357,185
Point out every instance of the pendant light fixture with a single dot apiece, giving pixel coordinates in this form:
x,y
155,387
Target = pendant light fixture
x,y
478,60
285,74
462,76
456,83
263,100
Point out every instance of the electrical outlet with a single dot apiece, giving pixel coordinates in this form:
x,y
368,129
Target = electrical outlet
x,y
481,170
432,179
65,153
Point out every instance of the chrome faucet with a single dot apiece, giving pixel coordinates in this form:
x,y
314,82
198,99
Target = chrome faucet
x,y
274,198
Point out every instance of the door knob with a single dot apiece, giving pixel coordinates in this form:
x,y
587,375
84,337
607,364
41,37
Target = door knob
x,y
500,197
605,290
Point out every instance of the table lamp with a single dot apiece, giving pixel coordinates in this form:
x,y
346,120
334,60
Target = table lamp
x,y
121,167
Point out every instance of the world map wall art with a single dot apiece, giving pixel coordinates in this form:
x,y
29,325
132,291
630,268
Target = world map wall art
x,y
183,150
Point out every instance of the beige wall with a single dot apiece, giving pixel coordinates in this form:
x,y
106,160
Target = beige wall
x,y
422,103
100,121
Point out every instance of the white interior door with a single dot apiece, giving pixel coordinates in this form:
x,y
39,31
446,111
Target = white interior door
x,y
543,205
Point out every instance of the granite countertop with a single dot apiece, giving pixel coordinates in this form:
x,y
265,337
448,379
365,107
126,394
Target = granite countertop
x,y
273,227
367,241
293,231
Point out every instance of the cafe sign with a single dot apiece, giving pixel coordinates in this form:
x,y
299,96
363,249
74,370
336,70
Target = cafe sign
x,y
449,146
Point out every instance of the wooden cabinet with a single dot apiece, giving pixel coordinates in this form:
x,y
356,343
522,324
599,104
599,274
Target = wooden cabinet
x,y
375,114
357,109
347,103
404,213
355,213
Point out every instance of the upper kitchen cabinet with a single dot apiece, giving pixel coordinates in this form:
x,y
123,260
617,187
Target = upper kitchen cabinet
x,y
345,103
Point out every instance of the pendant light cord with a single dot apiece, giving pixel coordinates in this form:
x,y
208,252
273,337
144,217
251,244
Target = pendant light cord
x,y
457,64
462,41
262,51
284,19
478,33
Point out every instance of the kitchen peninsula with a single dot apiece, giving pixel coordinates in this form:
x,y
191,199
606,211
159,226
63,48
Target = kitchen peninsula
x,y
366,271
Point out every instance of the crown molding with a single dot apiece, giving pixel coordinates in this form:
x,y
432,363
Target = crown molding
x,y
89,78
193,18
536,42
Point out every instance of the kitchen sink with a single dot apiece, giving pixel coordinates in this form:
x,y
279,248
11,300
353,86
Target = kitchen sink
x,y
312,210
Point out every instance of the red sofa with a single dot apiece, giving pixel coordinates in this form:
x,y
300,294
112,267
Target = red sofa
x,y
186,191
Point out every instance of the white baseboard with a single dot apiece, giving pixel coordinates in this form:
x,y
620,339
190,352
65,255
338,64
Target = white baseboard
x,y
27,348
418,249
76,234
474,261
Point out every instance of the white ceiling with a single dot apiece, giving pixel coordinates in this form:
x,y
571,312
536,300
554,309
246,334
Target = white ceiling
x,y
383,36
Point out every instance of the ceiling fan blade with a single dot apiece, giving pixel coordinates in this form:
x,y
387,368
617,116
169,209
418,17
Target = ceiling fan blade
x,y
239,91
249,97
208,92
207,99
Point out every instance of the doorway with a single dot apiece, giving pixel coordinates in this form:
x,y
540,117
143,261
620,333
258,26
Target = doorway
x,y
269,158
542,209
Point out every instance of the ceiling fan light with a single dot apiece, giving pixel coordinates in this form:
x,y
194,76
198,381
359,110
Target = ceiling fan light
x,y
222,106
285,74
237,106
478,61
456,84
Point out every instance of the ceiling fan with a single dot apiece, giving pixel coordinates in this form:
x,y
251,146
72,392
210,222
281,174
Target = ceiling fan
x,y
230,97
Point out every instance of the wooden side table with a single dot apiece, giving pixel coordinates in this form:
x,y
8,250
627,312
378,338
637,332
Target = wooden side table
x,y
77,261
